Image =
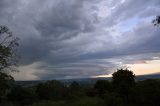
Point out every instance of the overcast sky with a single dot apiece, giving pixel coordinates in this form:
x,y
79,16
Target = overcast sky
x,y
83,38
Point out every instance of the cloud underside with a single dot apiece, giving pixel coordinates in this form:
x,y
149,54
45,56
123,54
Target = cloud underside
x,y
81,38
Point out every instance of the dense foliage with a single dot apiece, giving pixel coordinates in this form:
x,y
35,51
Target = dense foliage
x,y
121,91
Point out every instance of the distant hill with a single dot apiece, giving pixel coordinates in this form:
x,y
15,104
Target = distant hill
x,y
149,76
88,81
82,81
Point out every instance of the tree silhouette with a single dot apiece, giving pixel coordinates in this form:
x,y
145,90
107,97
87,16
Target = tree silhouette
x,y
123,80
123,76
6,82
23,95
50,90
8,45
76,90
156,21
102,86
74,86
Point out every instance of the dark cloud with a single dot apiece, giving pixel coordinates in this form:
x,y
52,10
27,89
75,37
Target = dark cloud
x,y
81,38
64,20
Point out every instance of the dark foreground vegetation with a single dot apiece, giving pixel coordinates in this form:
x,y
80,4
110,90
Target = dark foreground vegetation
x,y
121,91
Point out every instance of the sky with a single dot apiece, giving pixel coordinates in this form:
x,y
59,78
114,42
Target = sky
x,y
83,38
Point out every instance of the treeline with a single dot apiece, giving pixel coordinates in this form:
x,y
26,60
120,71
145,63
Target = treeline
x,y
121,91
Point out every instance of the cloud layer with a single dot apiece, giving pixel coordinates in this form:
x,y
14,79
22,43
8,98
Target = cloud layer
x,y
81,38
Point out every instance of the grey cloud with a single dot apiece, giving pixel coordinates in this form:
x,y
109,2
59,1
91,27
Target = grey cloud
x,y
60,21
72,40
144,39
64,20
80,71
130,9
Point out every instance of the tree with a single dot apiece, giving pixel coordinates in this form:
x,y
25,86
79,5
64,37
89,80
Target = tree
x,y
123,80
76,90
22,95
123,76
156,21
6,82
74,86
102,86
50,90
8,45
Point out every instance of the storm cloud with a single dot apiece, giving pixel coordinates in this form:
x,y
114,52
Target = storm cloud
x,y
81,38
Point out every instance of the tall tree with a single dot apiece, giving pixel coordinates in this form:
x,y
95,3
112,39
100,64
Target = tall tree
x,y
8,47
123,80
8,58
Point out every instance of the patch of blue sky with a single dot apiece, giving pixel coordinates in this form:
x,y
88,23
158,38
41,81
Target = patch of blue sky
x,y
128,24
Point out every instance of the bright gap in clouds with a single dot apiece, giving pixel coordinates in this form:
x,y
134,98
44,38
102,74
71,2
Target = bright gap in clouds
x,y
149,67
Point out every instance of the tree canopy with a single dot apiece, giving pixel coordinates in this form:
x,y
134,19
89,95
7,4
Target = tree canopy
x,y
123,76
8,45
123,80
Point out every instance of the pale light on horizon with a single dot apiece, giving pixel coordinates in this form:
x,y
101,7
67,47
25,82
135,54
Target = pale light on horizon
x,y
149,67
